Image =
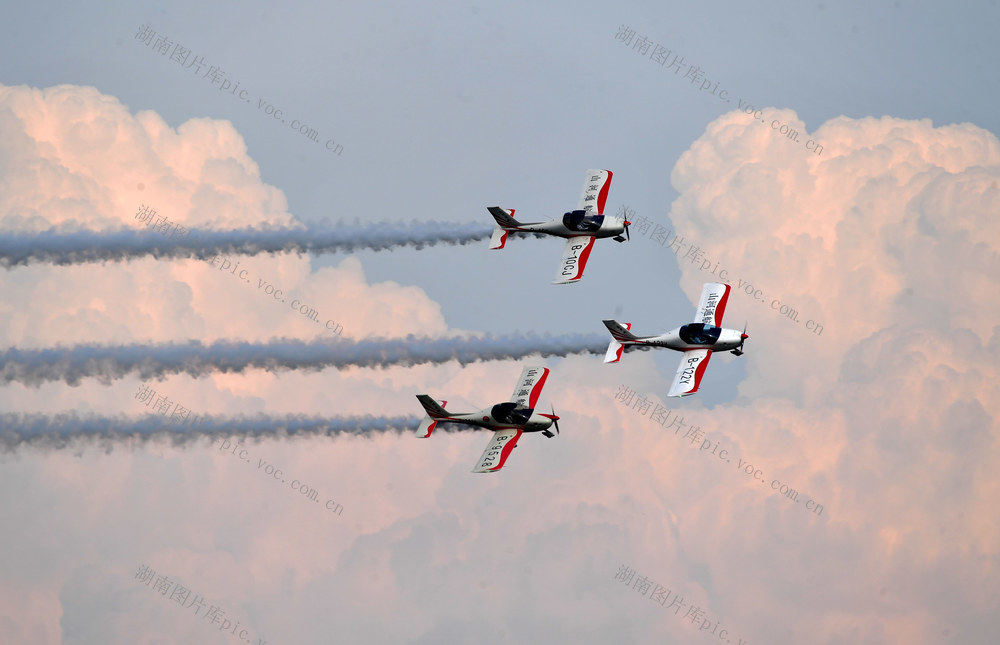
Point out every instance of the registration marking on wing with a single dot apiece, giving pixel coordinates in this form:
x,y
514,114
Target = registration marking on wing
x,y
574,260
498,450
689,372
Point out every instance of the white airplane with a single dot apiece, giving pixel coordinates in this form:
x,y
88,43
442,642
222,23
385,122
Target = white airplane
x,y
697,340
580,227
507,420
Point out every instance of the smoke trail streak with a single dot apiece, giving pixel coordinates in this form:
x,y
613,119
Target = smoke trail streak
x,y
60,247
59,431
107,363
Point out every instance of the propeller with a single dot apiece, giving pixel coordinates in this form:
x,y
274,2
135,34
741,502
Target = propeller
x,y
625,224
743,338
555,421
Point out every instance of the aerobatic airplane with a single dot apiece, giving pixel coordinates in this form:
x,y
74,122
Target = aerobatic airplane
x,y
581,226
697,340
507,420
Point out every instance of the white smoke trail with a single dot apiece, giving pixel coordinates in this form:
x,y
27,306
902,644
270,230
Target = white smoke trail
x,y
107,362
73,247
62,430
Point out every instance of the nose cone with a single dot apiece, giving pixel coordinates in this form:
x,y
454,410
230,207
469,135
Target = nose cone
x,y
744,336
731,337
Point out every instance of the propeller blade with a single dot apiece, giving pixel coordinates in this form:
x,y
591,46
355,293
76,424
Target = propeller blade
x,y
627,236
555,419
743,339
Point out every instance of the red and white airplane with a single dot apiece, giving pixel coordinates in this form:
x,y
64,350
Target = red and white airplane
x,y
697,340
507,420
580,227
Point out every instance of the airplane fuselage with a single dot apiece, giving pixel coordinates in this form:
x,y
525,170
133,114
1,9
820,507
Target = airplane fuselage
x,y
727,339
577,224
485,418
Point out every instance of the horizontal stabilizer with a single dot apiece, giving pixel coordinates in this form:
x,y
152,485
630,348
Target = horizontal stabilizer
x,y
435,412
432,407
621,331
426,428
503,217
499,238
615,348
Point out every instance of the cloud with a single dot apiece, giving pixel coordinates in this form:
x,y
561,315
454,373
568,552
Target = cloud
x,y
888,418
891,415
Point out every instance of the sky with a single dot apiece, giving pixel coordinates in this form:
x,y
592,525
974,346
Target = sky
x,y
837,164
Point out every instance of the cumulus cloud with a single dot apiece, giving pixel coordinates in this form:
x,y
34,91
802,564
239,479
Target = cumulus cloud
x,y
891,413
200,176
887,418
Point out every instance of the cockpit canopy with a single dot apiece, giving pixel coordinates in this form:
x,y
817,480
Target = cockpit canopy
x,y
510,413
699,334
583,221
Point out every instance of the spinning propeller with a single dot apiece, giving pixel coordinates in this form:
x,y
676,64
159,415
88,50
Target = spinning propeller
x,y
743,338
555,422
625,225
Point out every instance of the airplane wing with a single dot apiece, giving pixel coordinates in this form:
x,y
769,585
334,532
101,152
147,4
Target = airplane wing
x,y
497,450
714,296
689,372
596,185
529,386
574,259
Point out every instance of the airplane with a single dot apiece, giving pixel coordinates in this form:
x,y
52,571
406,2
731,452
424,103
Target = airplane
x,y
697,339
580,227
507,420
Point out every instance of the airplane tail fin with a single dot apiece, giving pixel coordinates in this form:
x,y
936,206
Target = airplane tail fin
x,y
435,411
504,218
621,336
